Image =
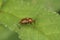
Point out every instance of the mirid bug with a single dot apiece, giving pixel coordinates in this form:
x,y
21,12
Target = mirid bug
x,y
26,21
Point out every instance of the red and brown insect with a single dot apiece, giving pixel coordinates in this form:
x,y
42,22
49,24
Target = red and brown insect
x,y
26,21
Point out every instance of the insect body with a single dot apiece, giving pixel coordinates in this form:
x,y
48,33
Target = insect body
x,y
30,20
27,21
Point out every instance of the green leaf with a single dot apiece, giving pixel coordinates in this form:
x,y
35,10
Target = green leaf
x,y
55,4
1,3
47,22
6,34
